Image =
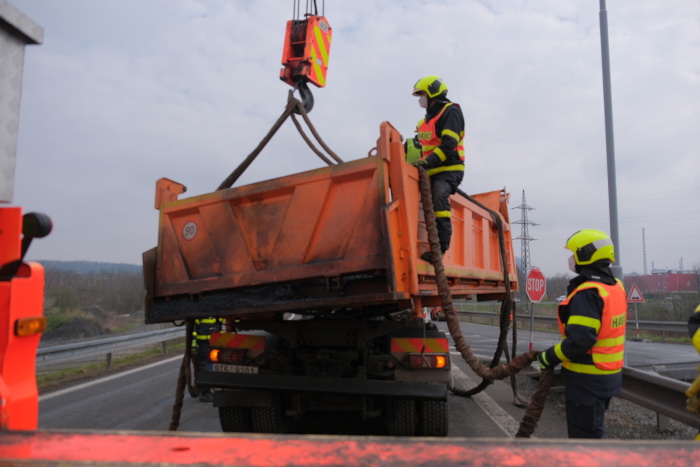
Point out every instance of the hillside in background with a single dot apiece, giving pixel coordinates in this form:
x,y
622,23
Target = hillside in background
x,y
87,267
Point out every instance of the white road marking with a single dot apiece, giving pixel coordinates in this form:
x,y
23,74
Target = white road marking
x,y
500,417
106,378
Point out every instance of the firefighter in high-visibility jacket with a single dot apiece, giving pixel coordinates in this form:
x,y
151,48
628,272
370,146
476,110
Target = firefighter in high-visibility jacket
x,y
440,138
203,329
693,392
592,320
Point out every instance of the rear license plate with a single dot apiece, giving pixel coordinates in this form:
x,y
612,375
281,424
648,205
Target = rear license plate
x,y
221,368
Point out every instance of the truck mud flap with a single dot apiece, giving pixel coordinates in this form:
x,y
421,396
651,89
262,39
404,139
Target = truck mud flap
x,y
304,384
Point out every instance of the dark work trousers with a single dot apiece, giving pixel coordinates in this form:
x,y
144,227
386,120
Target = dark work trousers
x,y
202,358
443,185
586,421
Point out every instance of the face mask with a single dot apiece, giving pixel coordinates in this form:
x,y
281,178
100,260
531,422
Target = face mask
x,y
423,101
572,263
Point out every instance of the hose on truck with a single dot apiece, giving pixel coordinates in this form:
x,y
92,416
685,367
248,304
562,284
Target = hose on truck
x,y
517,363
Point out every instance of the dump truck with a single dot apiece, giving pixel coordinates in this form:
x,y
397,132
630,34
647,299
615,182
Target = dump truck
x,y
319,278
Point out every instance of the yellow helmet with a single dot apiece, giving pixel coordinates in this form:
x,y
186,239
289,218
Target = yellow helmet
x,y
590,246
431,85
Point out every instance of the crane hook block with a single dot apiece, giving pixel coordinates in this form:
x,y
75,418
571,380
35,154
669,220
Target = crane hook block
x,y
307,45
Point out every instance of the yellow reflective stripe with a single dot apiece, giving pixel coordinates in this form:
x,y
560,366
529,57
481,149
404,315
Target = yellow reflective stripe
x,y
428,149
558,352
451,134
447,214
447,168
584,321
317,68
608,357
588,369
321,45
440,154
612,342
591,285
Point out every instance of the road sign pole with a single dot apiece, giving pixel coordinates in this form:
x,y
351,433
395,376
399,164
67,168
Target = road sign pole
x,y
636,321
532,323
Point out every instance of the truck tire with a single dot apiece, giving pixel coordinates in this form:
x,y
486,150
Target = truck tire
x,y
235,419
401,417
269,419
434,418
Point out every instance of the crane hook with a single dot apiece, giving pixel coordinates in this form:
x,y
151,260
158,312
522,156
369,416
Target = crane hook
x,y
307,99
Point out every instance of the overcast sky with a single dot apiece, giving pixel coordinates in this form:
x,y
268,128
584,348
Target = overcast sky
x,y
124,92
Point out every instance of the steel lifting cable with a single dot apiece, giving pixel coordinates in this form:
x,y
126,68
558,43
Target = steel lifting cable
x,y
293,105
517,363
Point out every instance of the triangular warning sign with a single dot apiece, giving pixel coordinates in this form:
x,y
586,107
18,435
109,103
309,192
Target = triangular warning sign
x,y
635,295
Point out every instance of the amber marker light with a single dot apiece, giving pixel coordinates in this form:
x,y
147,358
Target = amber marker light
x,y
214,355
440,361
25,327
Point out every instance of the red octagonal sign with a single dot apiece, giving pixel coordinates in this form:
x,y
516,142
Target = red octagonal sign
x,y
536,285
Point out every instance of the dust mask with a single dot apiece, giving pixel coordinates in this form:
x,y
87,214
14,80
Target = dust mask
x,y
423,101
572,264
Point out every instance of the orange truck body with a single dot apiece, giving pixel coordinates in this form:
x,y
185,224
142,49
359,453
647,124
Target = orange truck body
x,y
345,236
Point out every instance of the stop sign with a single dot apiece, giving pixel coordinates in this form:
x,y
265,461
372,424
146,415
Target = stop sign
x,y
536,285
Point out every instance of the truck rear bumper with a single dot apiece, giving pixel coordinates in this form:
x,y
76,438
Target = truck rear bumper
x,y
338,386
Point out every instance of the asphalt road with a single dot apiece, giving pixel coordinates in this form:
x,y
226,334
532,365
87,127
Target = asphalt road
x,y
142,399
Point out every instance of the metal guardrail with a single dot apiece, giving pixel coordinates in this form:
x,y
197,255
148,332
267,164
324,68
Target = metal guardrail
x,y
101,347
658,326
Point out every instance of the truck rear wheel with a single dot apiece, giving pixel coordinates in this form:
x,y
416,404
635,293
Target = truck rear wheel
x,y
401,417
434,418
269,419
235,419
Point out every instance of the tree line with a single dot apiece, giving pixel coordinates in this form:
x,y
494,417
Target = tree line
x,y
116,292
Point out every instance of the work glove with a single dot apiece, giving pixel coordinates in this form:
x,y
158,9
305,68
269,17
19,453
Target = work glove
x,y
542,360
420,163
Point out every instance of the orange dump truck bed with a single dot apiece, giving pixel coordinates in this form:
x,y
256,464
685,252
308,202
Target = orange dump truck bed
x,y
346,237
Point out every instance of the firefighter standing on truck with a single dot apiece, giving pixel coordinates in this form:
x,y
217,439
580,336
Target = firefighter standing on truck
x,y
203,329
440,139
592,320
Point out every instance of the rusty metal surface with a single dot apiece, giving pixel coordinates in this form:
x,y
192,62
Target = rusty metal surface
x,y
51,448
359,217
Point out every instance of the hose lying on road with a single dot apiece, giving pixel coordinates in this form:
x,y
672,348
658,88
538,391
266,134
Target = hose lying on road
x,y
518,363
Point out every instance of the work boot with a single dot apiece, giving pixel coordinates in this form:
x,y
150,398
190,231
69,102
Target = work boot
x,y
206,396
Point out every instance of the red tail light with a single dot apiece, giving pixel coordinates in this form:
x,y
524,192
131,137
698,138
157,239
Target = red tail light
x,y
234,356
427,361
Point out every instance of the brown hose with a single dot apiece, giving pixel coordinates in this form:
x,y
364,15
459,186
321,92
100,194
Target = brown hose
x,y
517,364
184,379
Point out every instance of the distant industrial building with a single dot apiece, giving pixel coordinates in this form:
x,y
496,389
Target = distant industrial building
x,y
665,282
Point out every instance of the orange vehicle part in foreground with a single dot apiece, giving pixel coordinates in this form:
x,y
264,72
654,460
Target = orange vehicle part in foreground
x,y
129,448
357,219
21,308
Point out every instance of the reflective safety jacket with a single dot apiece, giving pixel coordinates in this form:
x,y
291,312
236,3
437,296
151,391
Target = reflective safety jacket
x,y
607,354
204,327
447,160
